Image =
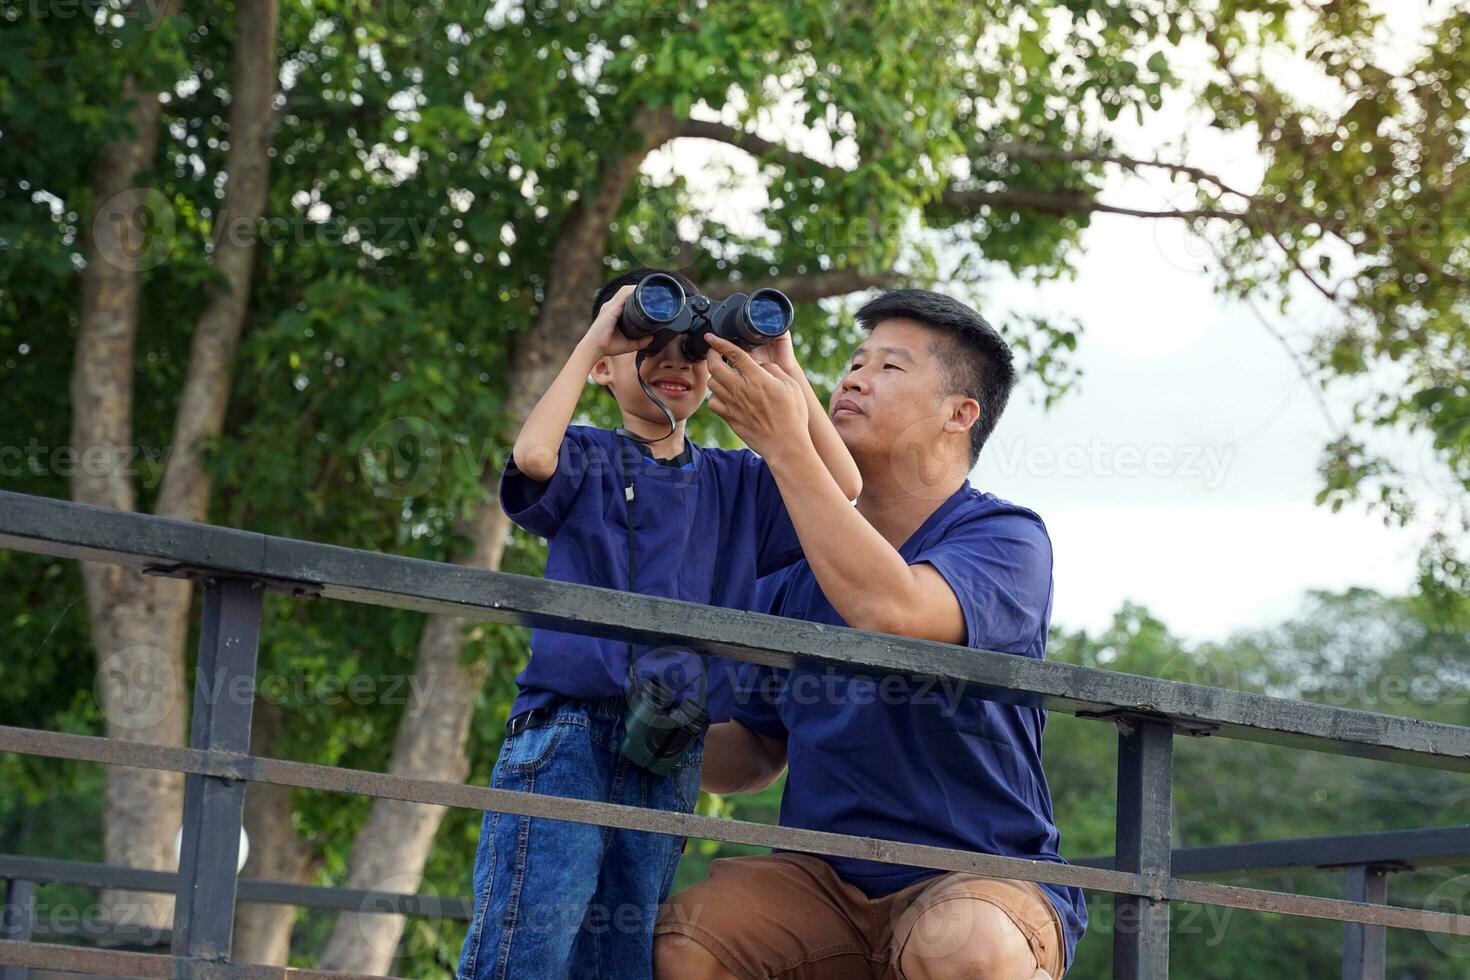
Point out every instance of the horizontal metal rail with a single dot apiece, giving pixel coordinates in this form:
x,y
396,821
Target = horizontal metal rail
x,y
66,529
1421,847
61,871
1402,849
232,766
116,962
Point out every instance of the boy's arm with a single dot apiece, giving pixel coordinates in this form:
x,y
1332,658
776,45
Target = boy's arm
x,y
538,446
828,443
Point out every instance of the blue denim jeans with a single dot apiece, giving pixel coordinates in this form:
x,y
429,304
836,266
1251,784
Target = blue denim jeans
x,y
567,900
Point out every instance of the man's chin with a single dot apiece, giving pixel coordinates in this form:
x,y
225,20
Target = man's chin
x,y
853,436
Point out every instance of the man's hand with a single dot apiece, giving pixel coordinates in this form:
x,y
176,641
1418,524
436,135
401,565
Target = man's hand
x,y
604,338
763,404
780,352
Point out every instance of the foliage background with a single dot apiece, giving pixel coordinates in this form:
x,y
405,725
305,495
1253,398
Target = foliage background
x,y
425,162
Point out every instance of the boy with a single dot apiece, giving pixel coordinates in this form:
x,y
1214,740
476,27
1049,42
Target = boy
x,y
557,899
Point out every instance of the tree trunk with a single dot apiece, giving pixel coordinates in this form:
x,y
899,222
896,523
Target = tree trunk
x,y
392,847
201,414
277,853
136,623
390,850
139,624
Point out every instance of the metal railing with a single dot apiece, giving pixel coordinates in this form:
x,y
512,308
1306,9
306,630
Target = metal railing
x,y
237,567
1363,859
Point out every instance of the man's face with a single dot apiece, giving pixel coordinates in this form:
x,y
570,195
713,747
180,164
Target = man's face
x,y
679,384
892,403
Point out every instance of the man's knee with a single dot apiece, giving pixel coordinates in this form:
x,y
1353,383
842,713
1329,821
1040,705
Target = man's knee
x,y
677,957
967,940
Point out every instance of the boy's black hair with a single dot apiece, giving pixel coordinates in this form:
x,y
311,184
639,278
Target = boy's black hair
x,y
636,276
975,359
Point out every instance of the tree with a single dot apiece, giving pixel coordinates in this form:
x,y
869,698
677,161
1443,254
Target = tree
x,y
446,186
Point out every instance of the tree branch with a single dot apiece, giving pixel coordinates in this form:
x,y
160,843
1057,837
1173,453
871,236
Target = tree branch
x,y
756,146
1028,151
1067,202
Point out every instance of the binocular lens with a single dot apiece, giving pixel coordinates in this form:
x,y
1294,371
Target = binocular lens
x,y
770,312
655,303
660,301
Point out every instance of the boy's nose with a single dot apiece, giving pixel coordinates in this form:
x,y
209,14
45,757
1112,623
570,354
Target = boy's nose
x,y
672,355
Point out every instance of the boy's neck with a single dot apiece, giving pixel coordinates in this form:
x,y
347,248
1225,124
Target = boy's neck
x,y
665,448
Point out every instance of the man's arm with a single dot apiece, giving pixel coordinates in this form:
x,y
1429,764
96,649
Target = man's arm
x,y
538,446
738,760
828,443
864,577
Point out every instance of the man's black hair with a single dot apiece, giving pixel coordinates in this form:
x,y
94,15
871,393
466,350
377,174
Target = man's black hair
x,y
975,359
633,277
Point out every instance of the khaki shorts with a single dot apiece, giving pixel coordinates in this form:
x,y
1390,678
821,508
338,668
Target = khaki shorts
x,y
790,916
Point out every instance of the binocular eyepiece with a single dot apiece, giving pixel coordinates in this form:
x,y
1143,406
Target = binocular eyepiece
x,y
660,308
656,736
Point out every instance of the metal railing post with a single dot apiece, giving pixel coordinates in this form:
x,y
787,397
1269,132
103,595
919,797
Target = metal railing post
x,y
16,920
1145,792
1364,946
224,694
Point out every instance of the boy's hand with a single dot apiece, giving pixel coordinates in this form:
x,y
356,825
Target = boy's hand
x,y
604,338
778,351
763,404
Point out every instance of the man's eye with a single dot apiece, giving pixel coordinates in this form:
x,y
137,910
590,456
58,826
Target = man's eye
x,y
893,366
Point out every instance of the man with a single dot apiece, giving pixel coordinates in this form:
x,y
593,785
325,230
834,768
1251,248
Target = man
x,y
925,555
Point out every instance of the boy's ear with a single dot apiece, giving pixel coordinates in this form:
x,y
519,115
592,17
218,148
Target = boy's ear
x,y
602,371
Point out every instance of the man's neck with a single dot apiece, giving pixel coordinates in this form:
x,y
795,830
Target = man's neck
x,y
897,505
664,448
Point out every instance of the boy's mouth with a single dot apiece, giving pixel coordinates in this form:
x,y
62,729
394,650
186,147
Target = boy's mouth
x,y
671,386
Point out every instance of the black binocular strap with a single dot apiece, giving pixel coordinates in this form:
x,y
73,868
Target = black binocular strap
x,y
623,450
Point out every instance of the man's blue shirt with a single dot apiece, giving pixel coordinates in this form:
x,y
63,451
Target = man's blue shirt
x,y
904,759
702,532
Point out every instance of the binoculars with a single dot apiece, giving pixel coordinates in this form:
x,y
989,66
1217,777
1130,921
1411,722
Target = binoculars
x,y
659,308
656,736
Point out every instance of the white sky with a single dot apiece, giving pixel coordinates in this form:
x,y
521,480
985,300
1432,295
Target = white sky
x,y
1181,473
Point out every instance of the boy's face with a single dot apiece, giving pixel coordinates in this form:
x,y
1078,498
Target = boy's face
x,y
679,384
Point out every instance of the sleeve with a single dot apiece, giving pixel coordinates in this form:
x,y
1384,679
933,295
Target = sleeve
x,y
776,543
755,689
755,699
542,507
999,567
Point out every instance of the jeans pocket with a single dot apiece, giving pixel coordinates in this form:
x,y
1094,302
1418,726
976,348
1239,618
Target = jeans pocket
x,y
527,751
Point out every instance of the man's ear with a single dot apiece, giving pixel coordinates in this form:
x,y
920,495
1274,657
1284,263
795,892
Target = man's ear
x,y
602,371
963,413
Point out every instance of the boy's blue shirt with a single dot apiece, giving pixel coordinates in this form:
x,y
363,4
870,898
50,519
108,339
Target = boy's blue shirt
x,y
703,532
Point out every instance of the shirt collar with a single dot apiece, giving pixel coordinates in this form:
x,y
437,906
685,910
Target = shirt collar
x,y
683,459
